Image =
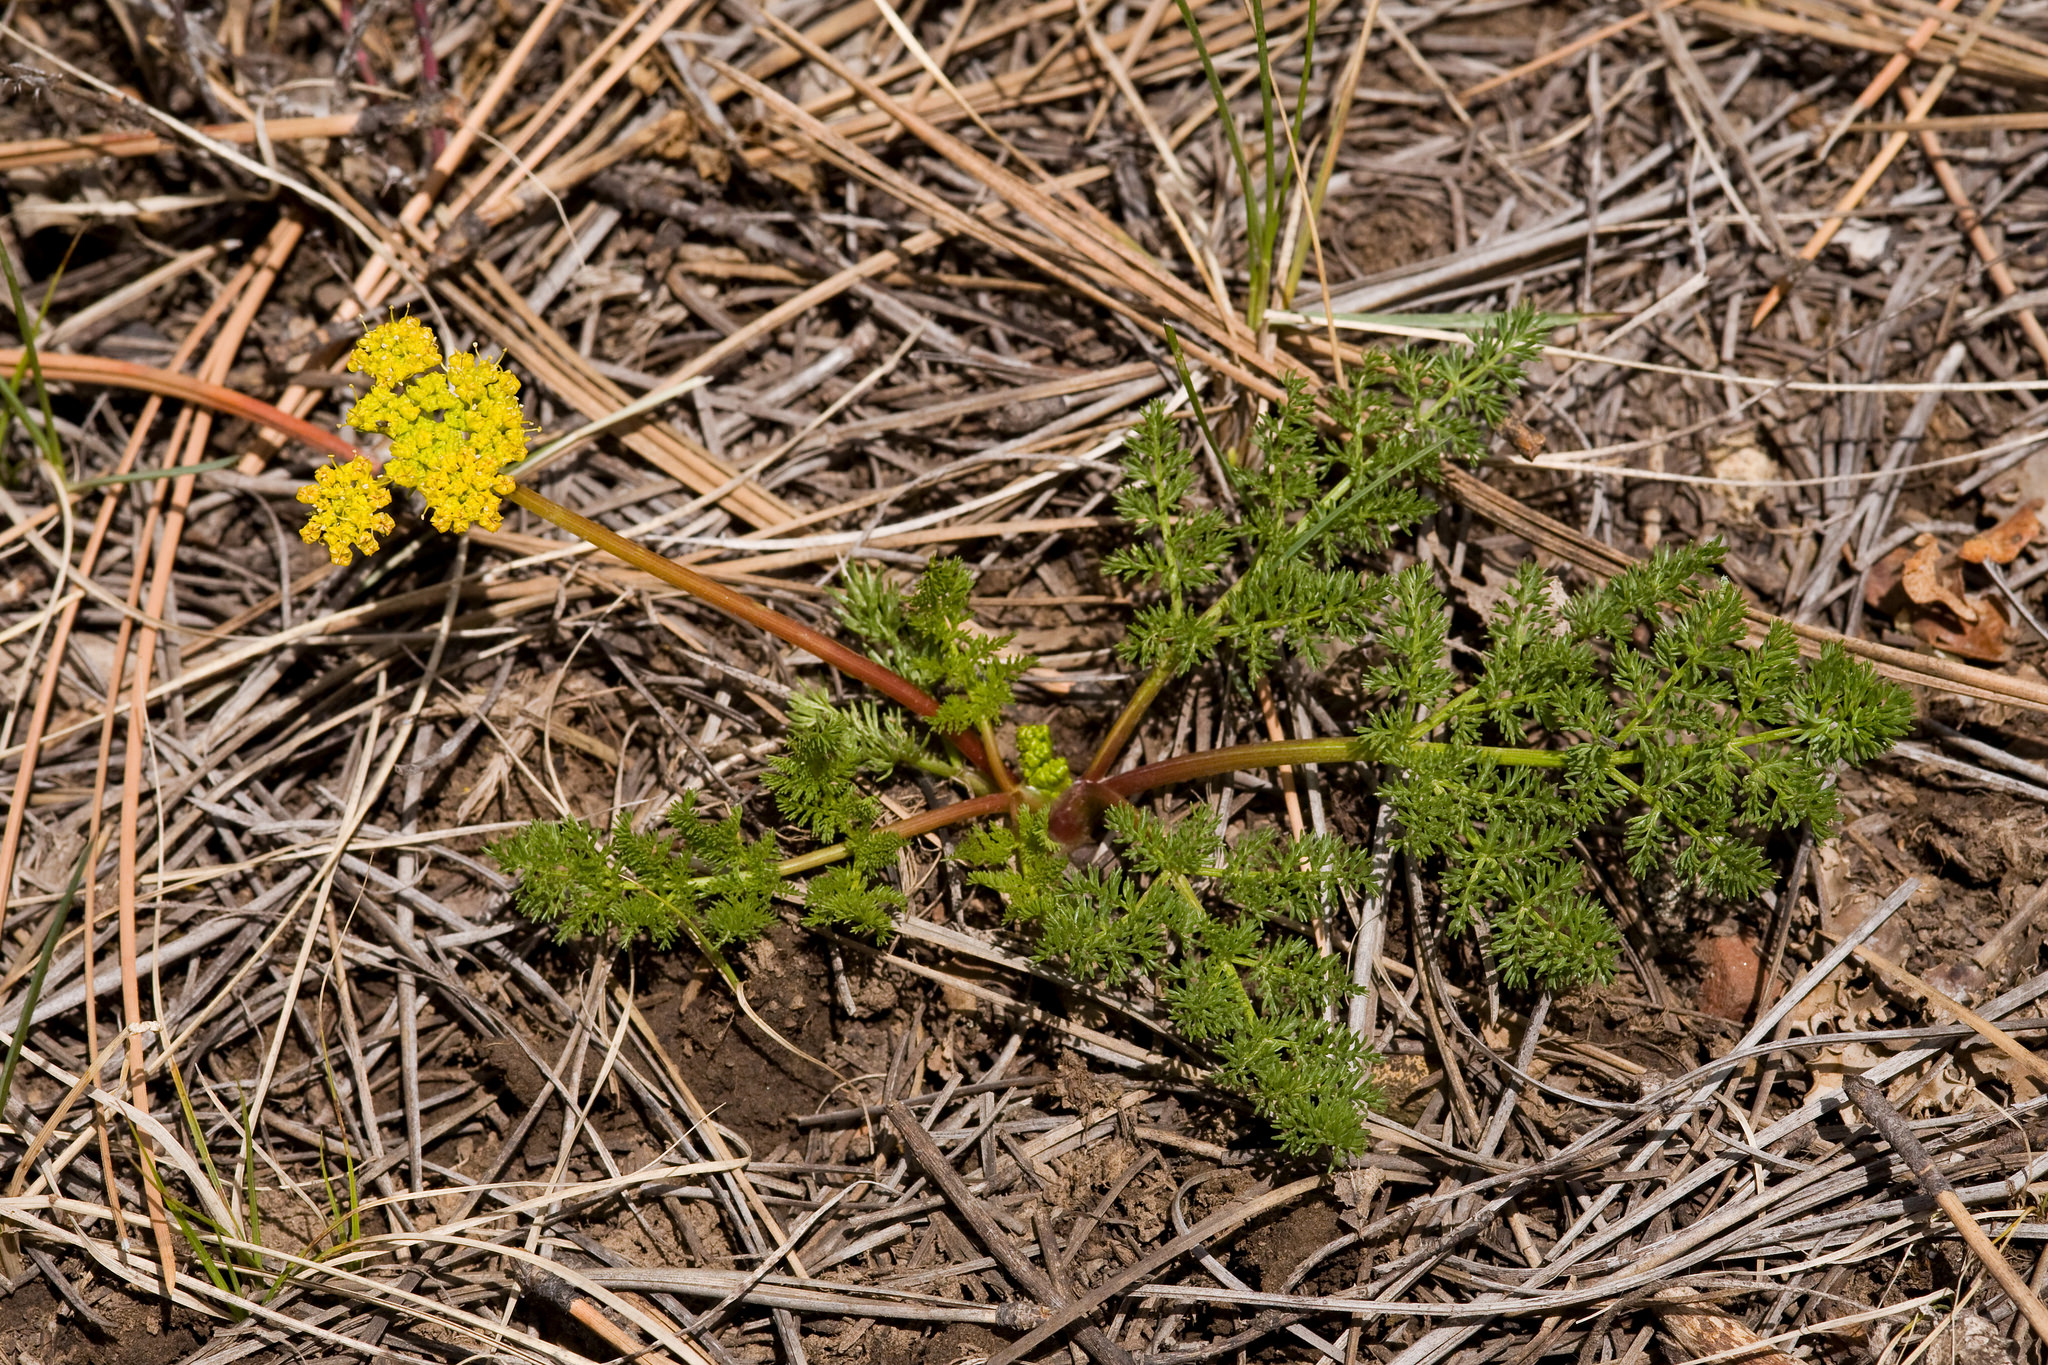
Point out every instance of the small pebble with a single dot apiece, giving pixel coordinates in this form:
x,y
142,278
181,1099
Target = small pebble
x,y
1728,984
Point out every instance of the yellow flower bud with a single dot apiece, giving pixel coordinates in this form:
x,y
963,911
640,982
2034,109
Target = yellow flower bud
x,y
476,379
345,500
383,409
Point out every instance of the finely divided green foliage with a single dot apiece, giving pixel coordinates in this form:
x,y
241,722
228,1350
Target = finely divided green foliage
x,y
1222,932
1632,703
1632,700
700,877
814,781
697,876
1274,579
827,748
925,637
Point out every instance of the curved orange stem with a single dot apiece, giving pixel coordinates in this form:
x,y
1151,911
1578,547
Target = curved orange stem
x,y
744,608
122,374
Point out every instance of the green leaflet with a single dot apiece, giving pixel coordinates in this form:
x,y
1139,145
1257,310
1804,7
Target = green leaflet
x,y
698,876
1313,494
1042,767
1223,932
924,635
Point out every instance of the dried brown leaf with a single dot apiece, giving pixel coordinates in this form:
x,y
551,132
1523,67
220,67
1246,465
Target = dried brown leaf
x,y
1704,1330
1527,441
1984,640
2002,543
1883,580
1928,580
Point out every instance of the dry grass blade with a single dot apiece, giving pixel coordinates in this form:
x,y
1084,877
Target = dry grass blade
x,y
1034,1281
1892,146
924,261
1871,1100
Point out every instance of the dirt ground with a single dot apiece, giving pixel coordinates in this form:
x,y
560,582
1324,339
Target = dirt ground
x,y
933,260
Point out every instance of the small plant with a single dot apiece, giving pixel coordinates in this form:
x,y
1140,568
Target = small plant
x,y
1631,702
37,422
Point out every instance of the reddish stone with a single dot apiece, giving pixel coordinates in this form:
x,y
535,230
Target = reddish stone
x,y
1728,983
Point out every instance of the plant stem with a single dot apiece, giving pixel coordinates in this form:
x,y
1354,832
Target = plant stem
x,y
1436,718
1140,702
1285,752
741,607
997,767
1127,721
1270,753
1274,753
122,374
1187,383
924,822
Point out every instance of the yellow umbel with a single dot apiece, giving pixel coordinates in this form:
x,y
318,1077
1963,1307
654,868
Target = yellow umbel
x,y
454,462
346,499
395,351
453,431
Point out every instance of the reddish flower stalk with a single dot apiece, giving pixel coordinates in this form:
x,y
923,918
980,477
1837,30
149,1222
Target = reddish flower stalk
x,y
744,608
348,28
170,384
122,374
430,70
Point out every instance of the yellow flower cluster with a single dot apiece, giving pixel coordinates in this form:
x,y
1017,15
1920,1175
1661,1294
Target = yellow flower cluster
x,y
455,462
345,499
453,432
394,352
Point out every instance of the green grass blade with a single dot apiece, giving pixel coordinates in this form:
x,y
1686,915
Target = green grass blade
x,y
44,434
1442,322
199,1145
1187,383
144,475
1308,66
51,936
249,1179
1297,139
192,1123
186,1216
337,1217
1223,115
1271,195
223,1277
355,1197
